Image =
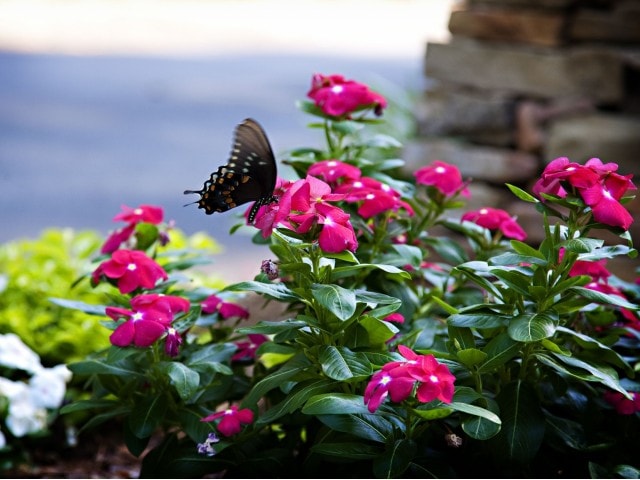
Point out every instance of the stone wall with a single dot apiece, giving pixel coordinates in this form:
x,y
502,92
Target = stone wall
x,y
525,81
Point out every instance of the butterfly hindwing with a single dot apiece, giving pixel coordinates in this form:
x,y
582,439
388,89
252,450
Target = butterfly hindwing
x,y
249,175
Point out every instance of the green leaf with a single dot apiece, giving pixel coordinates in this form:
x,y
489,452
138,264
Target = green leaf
x,y
499,350
296,398
276,379
269,328
521,194
514,259
276,291
183,379
582,245
352,450
80,405
340,363
147,415
82,306
528,251
338,300
522,424
335,403
583,370
514,280
213,353
367,426
433,413
395,460
533,327
471,356
478,320
600,350
475,410
378,331
604,298
97,367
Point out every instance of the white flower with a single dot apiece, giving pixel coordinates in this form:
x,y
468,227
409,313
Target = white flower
x,y
15,354
3,440
24,416
48,386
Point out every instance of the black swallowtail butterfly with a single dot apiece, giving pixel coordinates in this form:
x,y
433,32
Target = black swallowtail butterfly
x,y
249,175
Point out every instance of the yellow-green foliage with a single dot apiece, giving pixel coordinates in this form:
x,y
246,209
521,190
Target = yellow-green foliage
x,y
33,271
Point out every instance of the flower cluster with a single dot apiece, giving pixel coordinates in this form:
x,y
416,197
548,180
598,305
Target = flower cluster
x,y
31,402
231,419
598,184
150,214
148,319
383,321
131,270
398,380
338,97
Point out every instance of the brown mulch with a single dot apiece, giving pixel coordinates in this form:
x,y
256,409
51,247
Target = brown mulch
x,y
98,454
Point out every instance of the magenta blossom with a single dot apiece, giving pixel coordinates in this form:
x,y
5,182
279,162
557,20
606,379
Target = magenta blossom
x,y
305,205
444,177
598,184
247,349
375,197
269,215
436,381
397,379
144,213
232,420
131,269
215,304
148,319
333,171
338,97
172,342
496,219
622,404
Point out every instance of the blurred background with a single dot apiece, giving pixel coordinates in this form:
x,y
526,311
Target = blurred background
x,y
106,103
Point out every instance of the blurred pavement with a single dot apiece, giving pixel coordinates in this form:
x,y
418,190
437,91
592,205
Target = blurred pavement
x,y
111,102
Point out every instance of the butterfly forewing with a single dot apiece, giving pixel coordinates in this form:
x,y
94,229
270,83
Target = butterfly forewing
x,y
249,175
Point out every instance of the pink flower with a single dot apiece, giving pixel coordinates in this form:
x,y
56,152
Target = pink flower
x,y
337,234
215,304
442,176
338,97
596,270
148,319
247,349
394,317
622,404
305,205
269,215
132,269
398,378
375,197
436,381
331,171
496,219
598,184
144,213
232,419
383,383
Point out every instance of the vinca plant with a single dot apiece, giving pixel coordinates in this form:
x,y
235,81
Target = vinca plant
x,y
409,342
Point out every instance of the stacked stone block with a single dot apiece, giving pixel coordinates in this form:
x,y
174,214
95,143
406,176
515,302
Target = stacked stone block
x,y
522,82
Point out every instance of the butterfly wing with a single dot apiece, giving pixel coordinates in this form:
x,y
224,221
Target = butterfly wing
x,y
249,175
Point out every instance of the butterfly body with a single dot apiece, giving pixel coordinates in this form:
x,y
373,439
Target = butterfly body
x,y
249,175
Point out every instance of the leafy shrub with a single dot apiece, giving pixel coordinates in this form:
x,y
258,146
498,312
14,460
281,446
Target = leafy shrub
x,y
401,353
